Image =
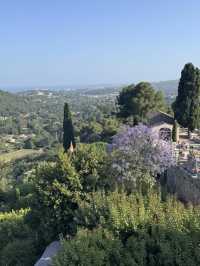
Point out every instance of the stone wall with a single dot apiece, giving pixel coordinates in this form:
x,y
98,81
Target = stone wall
x,y
186,188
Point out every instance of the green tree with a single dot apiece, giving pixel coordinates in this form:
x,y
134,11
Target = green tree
x,y
174,131
89,163
55,199
186,107
137,101
68,130
194,115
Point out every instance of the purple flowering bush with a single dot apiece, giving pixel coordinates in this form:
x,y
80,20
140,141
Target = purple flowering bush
x,y
138,155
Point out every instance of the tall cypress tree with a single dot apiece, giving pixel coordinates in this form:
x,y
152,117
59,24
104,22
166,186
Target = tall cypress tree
x,y
174,131
68,130
194,115
186,106
194,119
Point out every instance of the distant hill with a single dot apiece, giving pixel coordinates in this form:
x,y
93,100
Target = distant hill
x,y
11,103
42,100
168,87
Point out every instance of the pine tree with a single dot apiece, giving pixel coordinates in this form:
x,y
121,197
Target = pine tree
x,y
137,101
186,106
68,130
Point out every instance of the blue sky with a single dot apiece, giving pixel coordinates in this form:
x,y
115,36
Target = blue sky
x,y
58,42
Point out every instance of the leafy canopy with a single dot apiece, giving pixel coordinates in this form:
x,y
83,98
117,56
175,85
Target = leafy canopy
x,y
136,101
187,106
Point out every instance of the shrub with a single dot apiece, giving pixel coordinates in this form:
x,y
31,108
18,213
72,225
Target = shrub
x,y
89,162
90,248
144,231
18,253
123,214
12,226
155,245
57,187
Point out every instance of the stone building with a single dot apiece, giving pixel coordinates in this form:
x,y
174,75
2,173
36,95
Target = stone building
x,y
162,124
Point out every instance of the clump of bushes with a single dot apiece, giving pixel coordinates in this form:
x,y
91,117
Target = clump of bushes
x,y
134,230
12,226
17,245
19,253
107,212
90,248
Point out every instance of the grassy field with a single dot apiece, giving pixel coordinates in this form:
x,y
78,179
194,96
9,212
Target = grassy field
x,y
14,155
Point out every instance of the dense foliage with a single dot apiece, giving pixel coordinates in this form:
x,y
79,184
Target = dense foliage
x,y
137,101
17,240
102,221
56,190
134,230
107,201
186,107
34,119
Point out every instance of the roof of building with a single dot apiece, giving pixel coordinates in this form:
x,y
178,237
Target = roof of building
x,y
159,117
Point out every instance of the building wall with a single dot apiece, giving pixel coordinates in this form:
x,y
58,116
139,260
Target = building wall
x,y
156,128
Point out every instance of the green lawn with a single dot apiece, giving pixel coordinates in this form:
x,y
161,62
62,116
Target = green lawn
x,y
14,155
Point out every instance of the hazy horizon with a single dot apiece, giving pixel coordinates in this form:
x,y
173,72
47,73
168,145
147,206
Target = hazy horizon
x,y
168,85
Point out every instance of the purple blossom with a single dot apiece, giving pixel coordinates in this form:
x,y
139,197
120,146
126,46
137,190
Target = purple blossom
x,y
137,150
